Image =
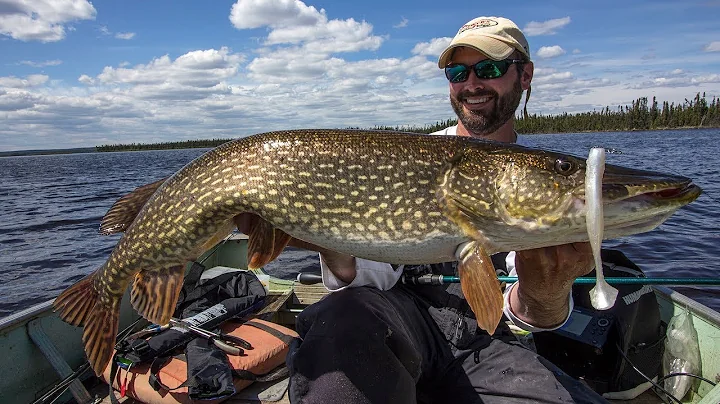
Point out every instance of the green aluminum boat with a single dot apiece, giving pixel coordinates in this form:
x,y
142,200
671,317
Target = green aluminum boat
x,y
38,350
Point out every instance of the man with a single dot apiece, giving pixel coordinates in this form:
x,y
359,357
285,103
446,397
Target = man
x,y
375,340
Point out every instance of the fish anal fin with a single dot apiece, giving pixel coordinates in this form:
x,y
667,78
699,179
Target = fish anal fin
x,y
124,211
76,303
99,334
480,286
261,239
281,241
155,293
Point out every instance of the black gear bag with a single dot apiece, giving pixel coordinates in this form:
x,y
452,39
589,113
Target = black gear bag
x,y
591,345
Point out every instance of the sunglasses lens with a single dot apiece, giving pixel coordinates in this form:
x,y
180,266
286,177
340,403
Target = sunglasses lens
x,y
491,69
456,73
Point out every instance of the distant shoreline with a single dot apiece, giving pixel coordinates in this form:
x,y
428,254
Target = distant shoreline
x,y
163,146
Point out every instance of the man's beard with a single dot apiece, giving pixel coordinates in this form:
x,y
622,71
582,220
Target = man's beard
x,y
483,125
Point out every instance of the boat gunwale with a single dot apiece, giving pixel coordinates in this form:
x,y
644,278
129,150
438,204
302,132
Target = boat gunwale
x,y
25,316
693,306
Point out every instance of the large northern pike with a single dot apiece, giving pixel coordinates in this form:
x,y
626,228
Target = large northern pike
x,y
387,196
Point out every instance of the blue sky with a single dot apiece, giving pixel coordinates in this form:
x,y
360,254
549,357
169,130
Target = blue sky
x,y
75,73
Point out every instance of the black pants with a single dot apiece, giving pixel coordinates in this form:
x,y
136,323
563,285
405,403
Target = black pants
x,y
363,345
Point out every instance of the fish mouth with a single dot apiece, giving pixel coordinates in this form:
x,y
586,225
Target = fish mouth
x,y
636,201
654,189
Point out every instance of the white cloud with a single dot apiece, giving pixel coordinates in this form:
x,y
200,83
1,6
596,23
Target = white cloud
x,y
547,52
576,51
125,35
677,81
85,79
54,62
274,13
31,80
201,70
292,22
553,77
433,48
305,71
328,37
402,24
549,27
712,47
42,20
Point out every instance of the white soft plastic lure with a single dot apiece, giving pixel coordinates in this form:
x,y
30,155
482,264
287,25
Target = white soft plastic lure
x,y
602,296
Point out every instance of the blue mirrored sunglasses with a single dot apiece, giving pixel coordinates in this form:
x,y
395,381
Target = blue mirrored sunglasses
x,y
485,69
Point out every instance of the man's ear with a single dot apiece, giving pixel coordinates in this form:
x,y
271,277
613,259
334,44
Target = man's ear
x,y
528,68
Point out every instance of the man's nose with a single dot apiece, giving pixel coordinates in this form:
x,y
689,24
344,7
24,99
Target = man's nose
x,y
474,83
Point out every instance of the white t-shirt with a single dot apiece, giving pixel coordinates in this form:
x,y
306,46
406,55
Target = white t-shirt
x,y
382,276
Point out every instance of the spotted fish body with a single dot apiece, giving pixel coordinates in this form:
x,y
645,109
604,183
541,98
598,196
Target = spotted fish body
x,y
387,196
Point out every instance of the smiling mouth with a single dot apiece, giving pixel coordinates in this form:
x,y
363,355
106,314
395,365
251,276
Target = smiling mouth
x,y
477,100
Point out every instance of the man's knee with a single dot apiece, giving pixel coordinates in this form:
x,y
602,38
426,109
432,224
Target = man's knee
x,y
342,312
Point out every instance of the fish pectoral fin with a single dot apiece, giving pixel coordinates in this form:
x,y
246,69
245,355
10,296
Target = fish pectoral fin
x,y
454,206
459,214
480,286
155,293
75,304
98,337
124,211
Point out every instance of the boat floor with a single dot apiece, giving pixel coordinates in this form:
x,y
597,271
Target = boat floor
x,y
647,397
101,391
302,296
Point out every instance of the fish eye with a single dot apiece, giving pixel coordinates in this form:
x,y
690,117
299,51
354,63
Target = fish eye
x,y
564,166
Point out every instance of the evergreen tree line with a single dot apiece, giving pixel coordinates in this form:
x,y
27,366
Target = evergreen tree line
x,y
187,144
641,115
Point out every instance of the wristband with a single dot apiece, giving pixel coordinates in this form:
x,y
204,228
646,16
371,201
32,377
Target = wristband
x,y
524,325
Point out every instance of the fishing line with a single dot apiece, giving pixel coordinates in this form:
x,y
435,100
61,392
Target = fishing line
x,y
60,388
655,385
218,245
677,374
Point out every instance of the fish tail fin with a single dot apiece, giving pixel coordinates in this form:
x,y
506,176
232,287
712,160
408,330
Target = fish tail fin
x,y
101,327
76,303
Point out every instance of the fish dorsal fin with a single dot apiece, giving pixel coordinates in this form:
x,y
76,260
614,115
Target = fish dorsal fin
x,y
155,293
124,211
480,286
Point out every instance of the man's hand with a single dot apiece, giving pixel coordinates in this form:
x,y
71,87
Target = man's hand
x,y
545,278
341,265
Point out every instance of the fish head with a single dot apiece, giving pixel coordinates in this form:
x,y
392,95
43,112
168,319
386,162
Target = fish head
x,y
513,197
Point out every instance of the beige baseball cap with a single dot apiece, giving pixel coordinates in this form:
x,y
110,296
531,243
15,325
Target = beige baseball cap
x,y
496,37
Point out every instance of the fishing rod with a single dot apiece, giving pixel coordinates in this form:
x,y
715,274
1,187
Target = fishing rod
x,y
442,279
429,279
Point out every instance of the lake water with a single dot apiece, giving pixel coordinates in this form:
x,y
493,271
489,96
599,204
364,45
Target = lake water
x,y
51,206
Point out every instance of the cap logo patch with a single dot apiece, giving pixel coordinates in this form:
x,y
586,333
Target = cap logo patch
x,y
484,23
